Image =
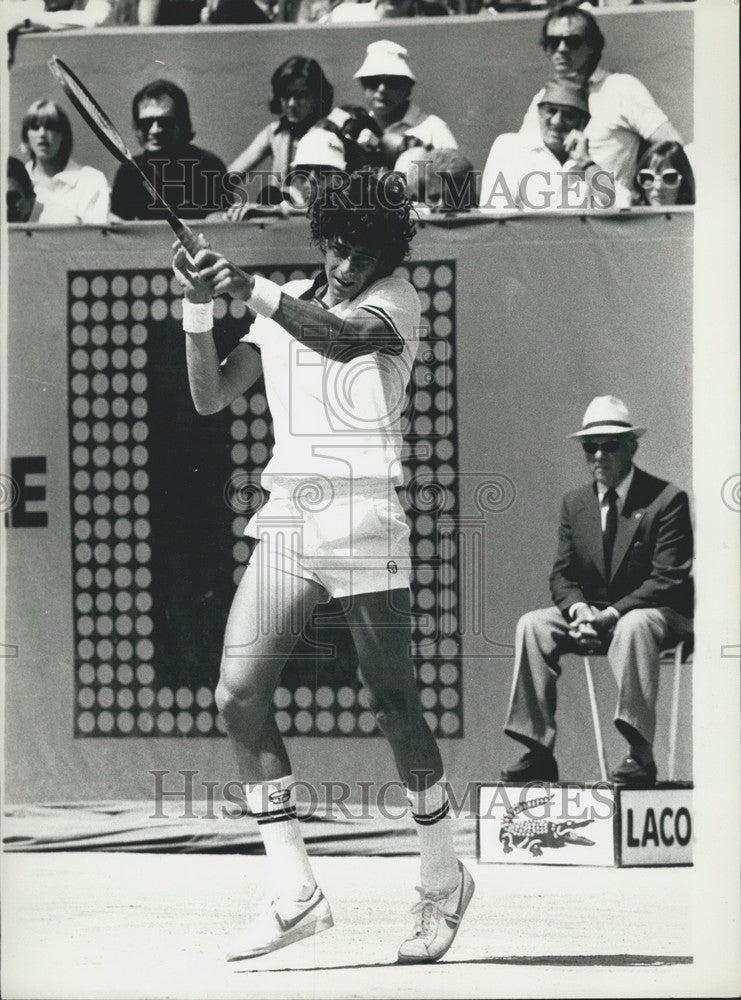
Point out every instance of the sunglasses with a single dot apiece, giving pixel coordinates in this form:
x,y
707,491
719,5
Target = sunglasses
x,y
165,122
569,116
572,42
669,178
374,82
606,447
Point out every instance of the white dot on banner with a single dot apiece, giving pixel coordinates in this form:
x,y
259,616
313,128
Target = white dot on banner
x,y
303,697
159,284
282,697
447,574
98,286
442,326
139,383
297,274
425,549
139,407
278,276
165,697
175,288
140,480
346,697
139,455
101,456
86,673
448,647
424,301
443,375
100,384
159,310
85,649
424,525
204,697
124,649
139,431
239,454
184,722
99,311
102,553
447,599
176,309
83,530
143,602
449,697
423,425
238,574
119,358
449,723
145,722
421,276
122,554
426,626
105,673
138,357
425,599
443,400
125,675
99,359
86,722
165,722
142,528
139,334
258,453
324,722
79,336
258,403
86,698
104,625
445,474
144,649
184,697
239,430
239,406
431,720
102,529
79,312
139,310
424,575
448,624
79,359
125,722
123,575
82,504
428,697
119,286
346,722
258,429
81,480
144,625
237,308
238,526
145,697
100,408
324,697
122,528
220,308
448,673
120,383
119,310
80,384
84,603
241,552
282,719
84,578
366,722
124,625
79,287
104,651
143,577
204,722
105,697
120,455
422,401
362,696
101,432
427,673
121,504
444,426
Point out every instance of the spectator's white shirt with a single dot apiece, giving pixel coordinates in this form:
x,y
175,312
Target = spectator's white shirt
x,y
522,173
429,129
352,12
622,113
76,194
334,419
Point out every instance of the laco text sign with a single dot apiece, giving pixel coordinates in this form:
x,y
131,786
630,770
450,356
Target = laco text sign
x,y
656,827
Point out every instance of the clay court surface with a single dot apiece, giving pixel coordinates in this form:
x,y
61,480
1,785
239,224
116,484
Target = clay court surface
x,y
78,925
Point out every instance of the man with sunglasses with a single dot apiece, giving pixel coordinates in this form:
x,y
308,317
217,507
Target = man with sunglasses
x,y
623,112
190,179
620,584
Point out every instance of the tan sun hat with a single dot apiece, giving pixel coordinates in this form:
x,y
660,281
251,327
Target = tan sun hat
x,y
607,415
385,58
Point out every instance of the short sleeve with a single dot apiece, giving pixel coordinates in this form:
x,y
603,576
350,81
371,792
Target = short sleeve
x,y
531,122
501,177
433,131
396,302
639,111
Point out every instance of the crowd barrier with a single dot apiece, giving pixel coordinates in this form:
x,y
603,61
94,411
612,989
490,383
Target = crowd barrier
x,y
124,509
478,74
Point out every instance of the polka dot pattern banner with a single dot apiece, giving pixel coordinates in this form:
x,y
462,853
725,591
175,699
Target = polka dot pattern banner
x,y
133,675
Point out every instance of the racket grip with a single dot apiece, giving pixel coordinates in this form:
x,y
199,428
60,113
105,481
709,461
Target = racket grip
x,y
185,234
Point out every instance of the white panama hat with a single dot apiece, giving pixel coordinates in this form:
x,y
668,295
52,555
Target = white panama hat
x,y
607,415
320,148
385,58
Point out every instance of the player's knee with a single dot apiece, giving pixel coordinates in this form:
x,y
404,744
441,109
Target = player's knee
x,y
236,703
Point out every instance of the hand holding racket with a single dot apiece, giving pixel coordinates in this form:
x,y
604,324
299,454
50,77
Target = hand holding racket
x,y
106,131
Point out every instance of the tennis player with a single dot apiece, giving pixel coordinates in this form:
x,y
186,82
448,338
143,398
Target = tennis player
x,y
337,354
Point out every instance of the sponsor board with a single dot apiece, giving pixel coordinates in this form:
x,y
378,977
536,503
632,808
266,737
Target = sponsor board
x,y
655,826
546,824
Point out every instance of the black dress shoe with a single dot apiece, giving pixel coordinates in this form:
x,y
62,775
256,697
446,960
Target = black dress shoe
x,y
535,765
632,774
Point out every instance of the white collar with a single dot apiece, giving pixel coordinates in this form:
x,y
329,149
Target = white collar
x,y
597,77
69,176
621,489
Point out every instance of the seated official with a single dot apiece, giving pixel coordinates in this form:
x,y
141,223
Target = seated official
x,y
189,179
550,169
620,583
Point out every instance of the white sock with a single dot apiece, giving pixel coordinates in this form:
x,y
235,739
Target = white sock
x,y
289,871
438,863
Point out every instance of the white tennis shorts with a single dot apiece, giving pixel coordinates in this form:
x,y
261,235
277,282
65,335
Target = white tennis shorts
x,y
350,538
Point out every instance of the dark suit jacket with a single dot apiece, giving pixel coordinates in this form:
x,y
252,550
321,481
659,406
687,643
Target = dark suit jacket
x,y
652,557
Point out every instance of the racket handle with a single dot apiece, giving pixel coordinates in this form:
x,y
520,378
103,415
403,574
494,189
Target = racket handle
x,y
185,234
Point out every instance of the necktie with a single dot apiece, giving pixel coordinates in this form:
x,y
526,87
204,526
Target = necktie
x,y
608,536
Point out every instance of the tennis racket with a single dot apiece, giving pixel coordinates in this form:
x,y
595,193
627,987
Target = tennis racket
x,y
106,131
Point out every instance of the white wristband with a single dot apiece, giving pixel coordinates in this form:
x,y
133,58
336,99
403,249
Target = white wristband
x,y
198,317
265,297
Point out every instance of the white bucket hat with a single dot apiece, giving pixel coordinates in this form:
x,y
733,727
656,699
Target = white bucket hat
x,y
385,58
320,148
607,415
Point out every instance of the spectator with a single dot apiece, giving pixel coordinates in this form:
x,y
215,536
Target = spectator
x,y
301,96
319,156
186,12
352,11
621,583
438,180
664,176
360,133
623,112
189,179
66,192
554,169
387,81
20,199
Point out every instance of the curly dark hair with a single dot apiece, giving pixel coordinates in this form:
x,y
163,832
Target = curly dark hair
x,y
369,210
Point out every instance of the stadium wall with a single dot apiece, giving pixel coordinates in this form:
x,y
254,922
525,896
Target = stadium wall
x,y
529,319
478,74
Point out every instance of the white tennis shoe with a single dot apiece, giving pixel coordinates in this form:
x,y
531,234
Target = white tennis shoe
x,y
437,918
281,924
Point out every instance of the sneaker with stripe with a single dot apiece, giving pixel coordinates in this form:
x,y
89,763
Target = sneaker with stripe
x,y
283,922
437,919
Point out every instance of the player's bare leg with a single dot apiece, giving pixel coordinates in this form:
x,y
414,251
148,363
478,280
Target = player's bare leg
x,y
380,626
267,615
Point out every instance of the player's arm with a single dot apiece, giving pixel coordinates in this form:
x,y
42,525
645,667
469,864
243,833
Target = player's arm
x,y
213,384
342,339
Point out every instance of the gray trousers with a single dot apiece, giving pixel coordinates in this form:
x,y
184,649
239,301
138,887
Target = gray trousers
x,y
542,638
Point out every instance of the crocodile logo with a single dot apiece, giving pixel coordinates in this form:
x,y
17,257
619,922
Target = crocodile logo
x,y
535,834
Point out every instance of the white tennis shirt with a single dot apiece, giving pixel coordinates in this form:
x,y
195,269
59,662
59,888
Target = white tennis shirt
x,y
334,419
